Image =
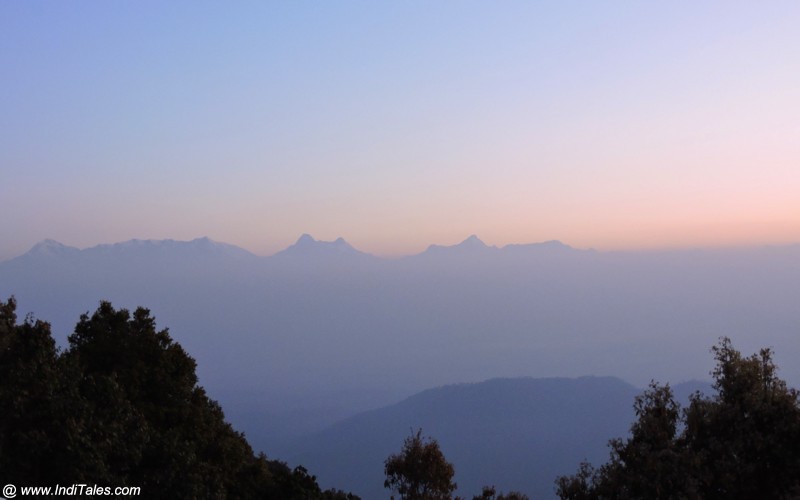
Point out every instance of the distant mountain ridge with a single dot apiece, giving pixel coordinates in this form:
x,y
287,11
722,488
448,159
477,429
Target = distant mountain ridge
x,y
305,247
513,433
308,247
49,248
472,244
52,248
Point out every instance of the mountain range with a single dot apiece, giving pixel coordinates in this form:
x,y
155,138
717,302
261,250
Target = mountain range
x,y
295,342
305,247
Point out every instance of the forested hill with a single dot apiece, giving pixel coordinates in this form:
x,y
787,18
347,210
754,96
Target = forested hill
x,y
516,434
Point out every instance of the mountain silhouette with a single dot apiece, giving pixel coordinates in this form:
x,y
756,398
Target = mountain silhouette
x,y
307,247
198,247
515,434
470,246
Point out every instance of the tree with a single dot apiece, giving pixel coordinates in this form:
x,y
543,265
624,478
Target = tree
x,y
490,493
29,396
420,471
121,406
744,442
581,486
649,464
143,413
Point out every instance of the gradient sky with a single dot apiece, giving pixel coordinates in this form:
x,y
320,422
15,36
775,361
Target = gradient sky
x,y
611,125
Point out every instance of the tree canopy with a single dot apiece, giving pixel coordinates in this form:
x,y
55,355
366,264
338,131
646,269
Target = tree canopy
x,y
490,493
420,471
742,442
121,406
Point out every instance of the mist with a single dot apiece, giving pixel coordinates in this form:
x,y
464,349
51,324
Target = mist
x,y
320,331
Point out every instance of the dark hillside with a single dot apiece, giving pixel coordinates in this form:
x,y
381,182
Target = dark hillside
x,y
516,434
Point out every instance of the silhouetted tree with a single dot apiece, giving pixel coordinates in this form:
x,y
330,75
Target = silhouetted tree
x,y
744,442
121,406
649,464
29,393
490,493
420,471
581,486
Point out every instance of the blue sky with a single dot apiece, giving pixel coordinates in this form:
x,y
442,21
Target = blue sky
x,y
398,124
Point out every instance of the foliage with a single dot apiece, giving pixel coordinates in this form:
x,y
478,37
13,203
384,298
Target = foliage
x,y
121,406
490,493
420,470
744,442
29,396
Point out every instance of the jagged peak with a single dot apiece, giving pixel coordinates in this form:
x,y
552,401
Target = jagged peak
x,y
50,247
473,241
304,239
49,243
554,245
196,247
307,245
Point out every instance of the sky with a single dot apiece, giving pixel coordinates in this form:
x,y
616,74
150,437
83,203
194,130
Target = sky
x,y
611,125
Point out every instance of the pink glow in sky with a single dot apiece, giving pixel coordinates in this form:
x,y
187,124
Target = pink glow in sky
x,y
605,125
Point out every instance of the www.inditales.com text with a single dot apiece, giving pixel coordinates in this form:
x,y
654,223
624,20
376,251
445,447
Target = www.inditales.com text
x,y
12,491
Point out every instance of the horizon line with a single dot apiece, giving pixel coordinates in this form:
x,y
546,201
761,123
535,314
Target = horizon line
x,y
396,256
